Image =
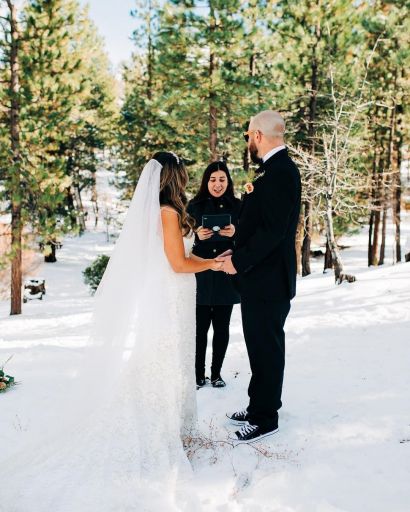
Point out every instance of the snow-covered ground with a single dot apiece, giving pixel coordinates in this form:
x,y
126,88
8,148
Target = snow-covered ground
x,y
344,440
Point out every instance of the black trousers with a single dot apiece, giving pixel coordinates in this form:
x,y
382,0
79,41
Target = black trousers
x,y
220,317
263,323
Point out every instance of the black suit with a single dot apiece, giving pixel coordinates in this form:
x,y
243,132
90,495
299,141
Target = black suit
x,y
265,259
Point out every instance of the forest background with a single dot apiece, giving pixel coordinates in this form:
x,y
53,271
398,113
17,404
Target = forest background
x,y
336,69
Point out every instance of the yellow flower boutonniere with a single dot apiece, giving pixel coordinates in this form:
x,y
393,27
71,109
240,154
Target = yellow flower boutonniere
x,y
249,188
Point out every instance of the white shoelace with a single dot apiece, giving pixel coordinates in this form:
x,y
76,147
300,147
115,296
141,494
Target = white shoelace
x,y
247,429
241,413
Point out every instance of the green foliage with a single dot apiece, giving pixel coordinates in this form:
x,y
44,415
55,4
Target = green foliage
x,y
199,61
208,65
67,113
93,274
201,69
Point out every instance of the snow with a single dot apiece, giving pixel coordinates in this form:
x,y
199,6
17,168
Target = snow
x,y
344,439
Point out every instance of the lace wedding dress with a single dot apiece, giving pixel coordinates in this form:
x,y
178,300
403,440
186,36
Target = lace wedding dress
x,y
118,446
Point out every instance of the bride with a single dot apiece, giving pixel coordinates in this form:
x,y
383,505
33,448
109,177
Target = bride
x,y
121,447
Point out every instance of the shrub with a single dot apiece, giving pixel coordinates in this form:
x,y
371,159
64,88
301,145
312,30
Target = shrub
x,y
93,274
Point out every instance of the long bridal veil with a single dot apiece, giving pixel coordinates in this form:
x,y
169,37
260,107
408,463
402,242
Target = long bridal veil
x,y
130,294
118,444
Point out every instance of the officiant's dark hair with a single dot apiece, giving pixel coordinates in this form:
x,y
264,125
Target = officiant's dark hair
x,y
174,179
203,191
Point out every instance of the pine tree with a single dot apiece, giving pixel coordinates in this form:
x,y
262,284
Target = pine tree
x,y
202,61
387,23
314,35
53,120
11,59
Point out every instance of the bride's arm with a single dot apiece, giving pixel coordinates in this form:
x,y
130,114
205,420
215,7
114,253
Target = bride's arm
x,y
175,250
195,257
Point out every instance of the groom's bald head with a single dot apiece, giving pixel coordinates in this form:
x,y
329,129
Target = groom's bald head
x,y
270,123
266,131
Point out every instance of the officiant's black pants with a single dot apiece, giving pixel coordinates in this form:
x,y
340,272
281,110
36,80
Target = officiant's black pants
x,y
220,316
263,323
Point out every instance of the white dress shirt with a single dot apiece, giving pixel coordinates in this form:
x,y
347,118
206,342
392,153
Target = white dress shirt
x,y
273,152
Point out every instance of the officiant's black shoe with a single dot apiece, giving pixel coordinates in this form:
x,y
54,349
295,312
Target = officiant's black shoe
x,y
200,383
251,433
239,418
218,382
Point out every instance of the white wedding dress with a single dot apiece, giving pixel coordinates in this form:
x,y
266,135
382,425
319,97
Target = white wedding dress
x,y
119,445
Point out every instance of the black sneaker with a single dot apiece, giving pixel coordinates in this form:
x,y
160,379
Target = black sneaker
x,y
200,383
251,433
238,418
218,383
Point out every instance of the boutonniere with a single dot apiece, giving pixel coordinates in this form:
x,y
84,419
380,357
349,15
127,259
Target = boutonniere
x,y
249,188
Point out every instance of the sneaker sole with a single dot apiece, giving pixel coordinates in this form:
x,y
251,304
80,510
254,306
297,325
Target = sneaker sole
x,y
238,441
238,423
207,383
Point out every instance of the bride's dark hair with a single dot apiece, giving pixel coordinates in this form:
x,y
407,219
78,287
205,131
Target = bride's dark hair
x,y
174,179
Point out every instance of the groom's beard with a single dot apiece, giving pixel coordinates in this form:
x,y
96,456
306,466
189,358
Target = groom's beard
x,y
254,154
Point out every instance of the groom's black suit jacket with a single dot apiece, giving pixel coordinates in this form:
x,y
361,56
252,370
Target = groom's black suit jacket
x,y
264,254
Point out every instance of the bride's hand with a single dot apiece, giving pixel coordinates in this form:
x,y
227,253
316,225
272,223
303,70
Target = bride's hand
x,y
216,265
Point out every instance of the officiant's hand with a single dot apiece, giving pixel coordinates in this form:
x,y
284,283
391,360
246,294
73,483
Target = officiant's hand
x,y
204,233
228,231
227,265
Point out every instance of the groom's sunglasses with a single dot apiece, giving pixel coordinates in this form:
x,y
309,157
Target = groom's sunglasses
x,y
246,134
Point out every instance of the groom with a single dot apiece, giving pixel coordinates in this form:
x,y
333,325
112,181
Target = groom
x,y
264,265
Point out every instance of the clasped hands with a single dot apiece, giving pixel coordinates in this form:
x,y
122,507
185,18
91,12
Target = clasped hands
x,y
226,265
225,259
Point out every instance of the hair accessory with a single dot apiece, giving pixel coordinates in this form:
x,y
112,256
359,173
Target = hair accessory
x,y
176,157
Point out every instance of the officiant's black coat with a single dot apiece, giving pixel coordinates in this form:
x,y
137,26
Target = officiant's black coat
x,y
214,288
264,253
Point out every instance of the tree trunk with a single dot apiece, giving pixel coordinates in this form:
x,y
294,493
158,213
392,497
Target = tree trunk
x,y
377,214
375,244
330,236
395,167
298,244
94,200
397,205
308,206
390,171
71,206
213,112
336,258
150,51
383,241
14,117
16,262
373,192
80,208
252,64
370,239
328,260
246,161
213,127
307,238
252,73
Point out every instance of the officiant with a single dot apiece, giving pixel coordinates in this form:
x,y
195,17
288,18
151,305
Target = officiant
x,y
214,204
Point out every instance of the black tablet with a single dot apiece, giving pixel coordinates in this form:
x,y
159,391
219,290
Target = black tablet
x,y
216,223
